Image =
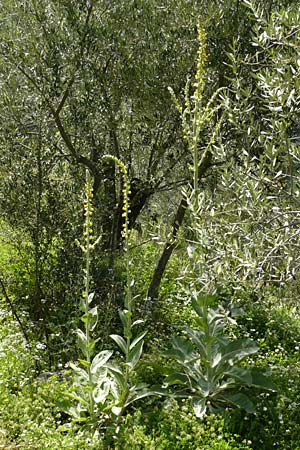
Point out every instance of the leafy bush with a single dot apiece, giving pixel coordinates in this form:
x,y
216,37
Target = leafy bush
x,y
276,423
16,362
208,361
276,327
171,427
272,325
29,415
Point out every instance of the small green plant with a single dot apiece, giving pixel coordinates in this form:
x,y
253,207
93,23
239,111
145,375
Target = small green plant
x,y
208,363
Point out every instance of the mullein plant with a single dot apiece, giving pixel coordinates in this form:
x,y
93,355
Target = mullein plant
x,y
92,381
125,389
207,366
102,388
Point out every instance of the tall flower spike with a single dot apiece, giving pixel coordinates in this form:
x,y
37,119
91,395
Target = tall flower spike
x,y
125,231
201,61
126,194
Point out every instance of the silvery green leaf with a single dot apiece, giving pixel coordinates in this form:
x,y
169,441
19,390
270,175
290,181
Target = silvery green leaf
x,y
79,371
197,338
100,376
74,412
118,378
100,359
204,387
115,389
93,317
91,297
216,359
81,401
241,401
116,410
137,339
125,317
101,392
120,341
135,354
240,374
238,350
138,392
113,367
176,378
181,350
260,380
82,341
137,322
199,406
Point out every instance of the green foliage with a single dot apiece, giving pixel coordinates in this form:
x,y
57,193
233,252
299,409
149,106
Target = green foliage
x,y
272,326
31,419
244,225
269,318
91,382
14,372
276,422
29,414
169,426
209,363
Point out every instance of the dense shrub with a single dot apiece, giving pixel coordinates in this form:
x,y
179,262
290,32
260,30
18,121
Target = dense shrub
x,y
172,427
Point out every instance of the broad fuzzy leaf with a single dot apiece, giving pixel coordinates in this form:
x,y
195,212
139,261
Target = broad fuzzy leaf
x,y
244,376
82,342
81,373
101,392
238,350
182,349
197,336
260,380
100,360
139,392
176,378
93,317
125,317
119,385
135,354
137,339
91,297
74,412
241,401
120,341
201,301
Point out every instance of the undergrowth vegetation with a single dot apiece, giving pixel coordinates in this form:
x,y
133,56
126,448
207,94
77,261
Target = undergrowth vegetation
x,y
32,417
